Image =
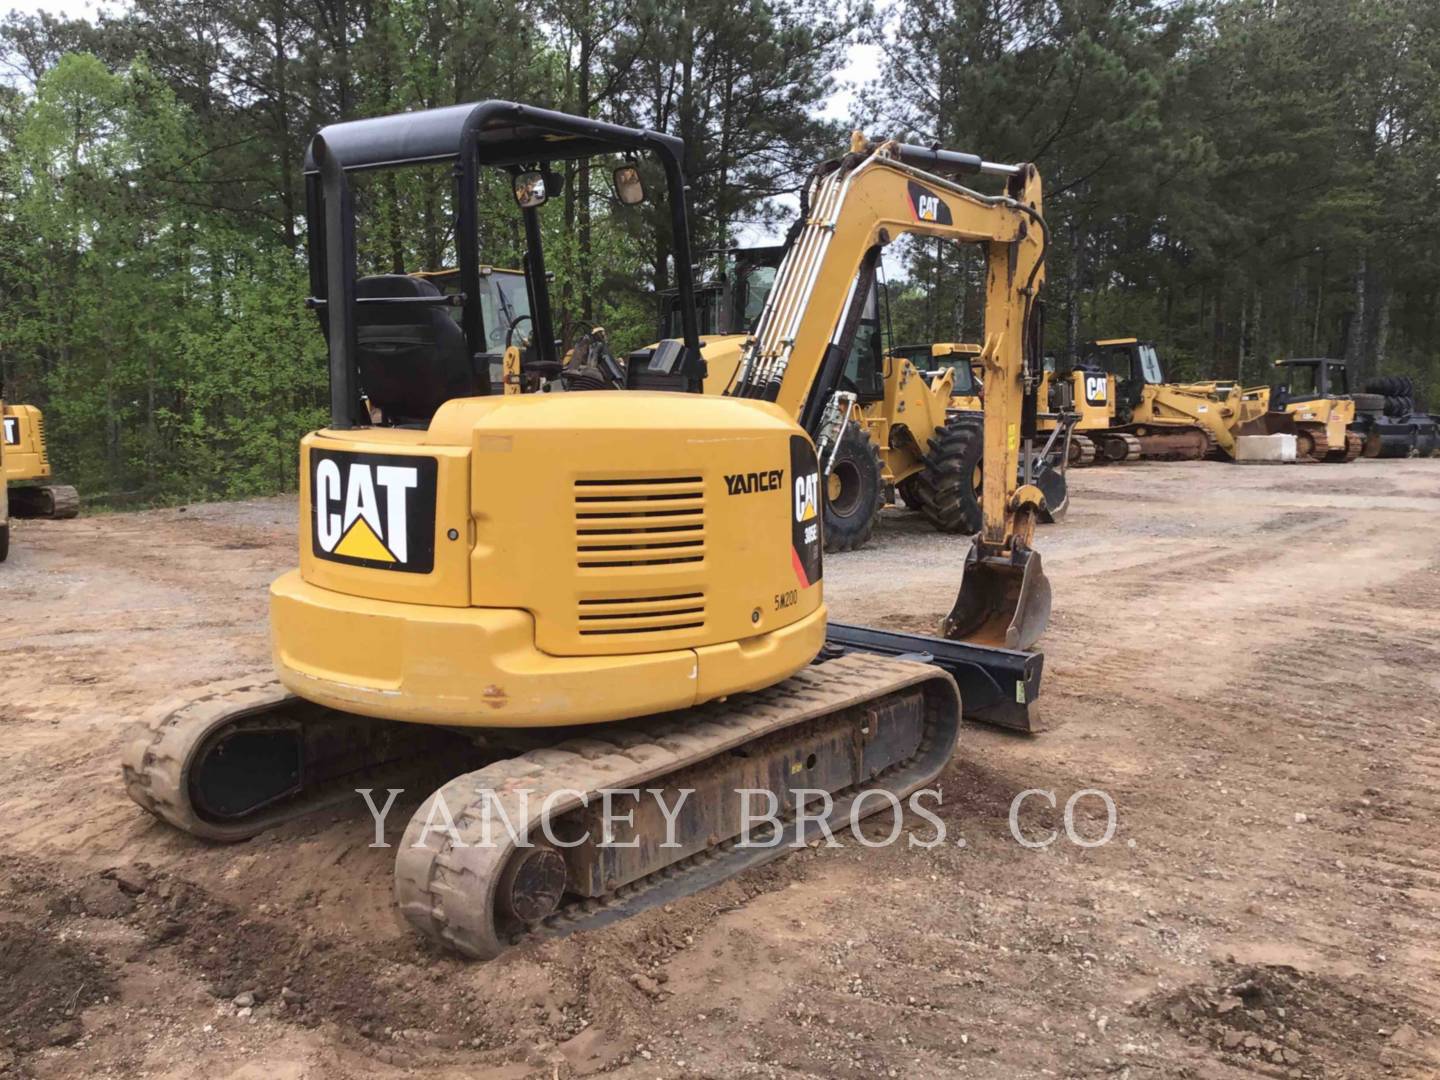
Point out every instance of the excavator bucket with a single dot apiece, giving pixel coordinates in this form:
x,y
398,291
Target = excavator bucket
x,y
1052,484
1003,602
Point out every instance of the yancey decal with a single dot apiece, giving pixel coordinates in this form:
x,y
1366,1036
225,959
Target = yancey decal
x,y
1097,389
373,510
12,431
927,206
805,540
747,483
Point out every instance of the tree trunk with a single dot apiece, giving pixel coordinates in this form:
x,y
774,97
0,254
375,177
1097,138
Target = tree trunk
x,y
1355,339
1382,337
1072,294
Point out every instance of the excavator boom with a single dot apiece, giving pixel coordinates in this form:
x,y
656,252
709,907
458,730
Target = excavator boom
x,y
854,207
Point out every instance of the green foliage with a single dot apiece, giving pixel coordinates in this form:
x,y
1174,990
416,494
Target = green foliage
x,y
1237,179
151,265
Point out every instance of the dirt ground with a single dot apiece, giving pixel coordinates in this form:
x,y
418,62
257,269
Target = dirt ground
x,y
1246,659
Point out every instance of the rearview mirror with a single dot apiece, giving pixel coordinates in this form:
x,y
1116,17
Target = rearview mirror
x,y
628,188
530,189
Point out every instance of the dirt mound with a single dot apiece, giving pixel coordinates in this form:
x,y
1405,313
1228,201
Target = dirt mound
x,y
1306,1024
45,984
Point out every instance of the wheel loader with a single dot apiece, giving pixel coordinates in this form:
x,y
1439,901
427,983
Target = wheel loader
x,y
27,468
584,597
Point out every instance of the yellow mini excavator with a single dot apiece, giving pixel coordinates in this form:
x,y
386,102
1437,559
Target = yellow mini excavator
x,y
27,468
4,502
583,590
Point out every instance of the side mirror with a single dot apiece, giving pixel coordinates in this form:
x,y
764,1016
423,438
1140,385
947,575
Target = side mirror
x,y
628,187
530,189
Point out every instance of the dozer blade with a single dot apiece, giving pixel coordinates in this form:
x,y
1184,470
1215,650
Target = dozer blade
x,y
1270,423
1003,601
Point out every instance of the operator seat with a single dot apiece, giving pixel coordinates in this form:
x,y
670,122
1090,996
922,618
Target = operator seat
x,y
412,357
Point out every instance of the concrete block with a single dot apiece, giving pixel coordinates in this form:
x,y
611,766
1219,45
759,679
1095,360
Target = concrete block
x,y
1265,449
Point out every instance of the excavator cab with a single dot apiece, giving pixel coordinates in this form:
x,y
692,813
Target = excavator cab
x,y
413,342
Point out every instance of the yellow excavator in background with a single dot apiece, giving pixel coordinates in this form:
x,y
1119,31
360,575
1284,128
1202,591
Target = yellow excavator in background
x,y
4,501
27,467
595,600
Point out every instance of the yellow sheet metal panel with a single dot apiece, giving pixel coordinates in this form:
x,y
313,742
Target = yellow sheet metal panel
x,y
698,533
480,667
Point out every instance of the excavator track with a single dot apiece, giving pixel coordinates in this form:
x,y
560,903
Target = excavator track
x,y
1118,448
1319,443
1174,442
1082,450
1354,444
59,502
245,756
857,722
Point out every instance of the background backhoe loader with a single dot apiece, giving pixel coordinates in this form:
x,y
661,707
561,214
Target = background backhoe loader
x,y
888,425
27,468
568,593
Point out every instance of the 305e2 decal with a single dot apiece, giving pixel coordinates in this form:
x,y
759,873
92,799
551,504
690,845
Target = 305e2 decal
x,y
805,540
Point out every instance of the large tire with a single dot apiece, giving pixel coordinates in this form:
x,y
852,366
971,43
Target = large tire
x,y
854,491
1371,403
949,485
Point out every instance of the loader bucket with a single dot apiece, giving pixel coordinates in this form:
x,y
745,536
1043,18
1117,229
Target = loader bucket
x,y
1003,602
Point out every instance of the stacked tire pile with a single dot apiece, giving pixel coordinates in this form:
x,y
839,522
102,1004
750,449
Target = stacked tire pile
x,y
1393,423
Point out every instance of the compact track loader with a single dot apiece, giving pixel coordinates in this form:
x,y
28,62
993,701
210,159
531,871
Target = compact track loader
x,y
27,468
585,590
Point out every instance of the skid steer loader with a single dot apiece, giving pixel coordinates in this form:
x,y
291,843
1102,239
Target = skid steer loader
x,y
27,468
585,596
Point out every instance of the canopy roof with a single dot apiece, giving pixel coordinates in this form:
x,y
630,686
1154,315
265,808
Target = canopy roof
x,y
504,133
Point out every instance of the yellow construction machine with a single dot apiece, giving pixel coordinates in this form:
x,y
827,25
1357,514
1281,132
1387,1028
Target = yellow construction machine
x,y
1312,403
27,468
597,600
883,422
1125,410
4,501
